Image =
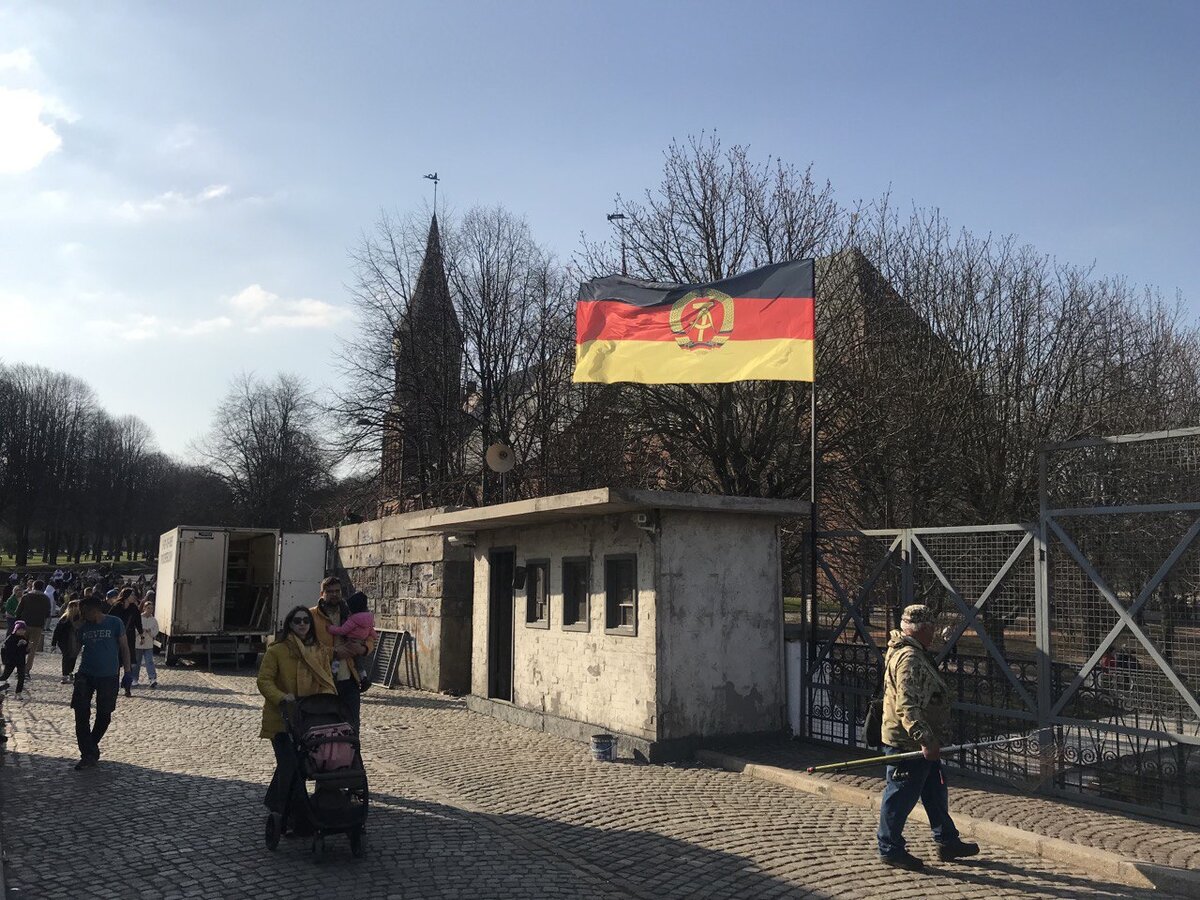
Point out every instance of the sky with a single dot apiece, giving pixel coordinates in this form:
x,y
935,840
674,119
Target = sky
x,y
181,185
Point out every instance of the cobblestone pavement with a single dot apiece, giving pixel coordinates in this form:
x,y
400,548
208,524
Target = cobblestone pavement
x,y
1133,836
462,806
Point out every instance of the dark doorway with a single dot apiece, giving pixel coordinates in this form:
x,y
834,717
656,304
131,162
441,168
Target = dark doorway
x,y
500,624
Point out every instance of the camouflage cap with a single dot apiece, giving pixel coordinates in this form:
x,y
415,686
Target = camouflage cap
x,y
917,614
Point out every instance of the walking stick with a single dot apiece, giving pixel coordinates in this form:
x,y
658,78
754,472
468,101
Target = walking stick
x,y
897,757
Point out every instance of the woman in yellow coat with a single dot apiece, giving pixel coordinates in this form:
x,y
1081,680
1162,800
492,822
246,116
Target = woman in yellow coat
x,y
296,665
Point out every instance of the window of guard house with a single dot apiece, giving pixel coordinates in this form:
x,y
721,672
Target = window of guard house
x,y
620,594
537,593
575,574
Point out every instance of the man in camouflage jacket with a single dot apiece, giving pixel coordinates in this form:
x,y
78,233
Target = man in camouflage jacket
x,y
916,716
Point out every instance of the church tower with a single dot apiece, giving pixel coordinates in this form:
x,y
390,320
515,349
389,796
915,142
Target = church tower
x,y
423,430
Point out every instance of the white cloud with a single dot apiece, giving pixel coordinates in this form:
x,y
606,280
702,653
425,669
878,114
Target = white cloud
x,y
21,316
19,60
27,138
251,302
251,310
132,327
212,192
170,202
259,310
203,326
181,137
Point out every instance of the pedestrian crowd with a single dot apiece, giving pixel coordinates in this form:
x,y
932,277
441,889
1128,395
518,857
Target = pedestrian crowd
x,y
99,623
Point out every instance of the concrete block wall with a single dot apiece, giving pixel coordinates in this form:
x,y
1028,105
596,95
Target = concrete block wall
x,y
720,625
585,676
416,582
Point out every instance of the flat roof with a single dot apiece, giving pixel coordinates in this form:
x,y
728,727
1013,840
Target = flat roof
x,y
603,502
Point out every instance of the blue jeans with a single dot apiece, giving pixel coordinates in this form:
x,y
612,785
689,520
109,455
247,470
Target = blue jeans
x,y
144,658
907,782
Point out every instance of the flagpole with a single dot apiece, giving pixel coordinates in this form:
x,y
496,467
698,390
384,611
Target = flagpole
x,y
811,607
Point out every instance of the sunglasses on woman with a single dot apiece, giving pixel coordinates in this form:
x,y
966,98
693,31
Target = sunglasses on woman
x,y
299,620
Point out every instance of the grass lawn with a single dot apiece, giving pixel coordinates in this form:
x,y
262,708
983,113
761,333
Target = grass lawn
x,y
8,563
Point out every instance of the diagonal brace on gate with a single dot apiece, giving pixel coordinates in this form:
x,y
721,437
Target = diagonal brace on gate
x,y
987,593
970,615
1125,616
850,608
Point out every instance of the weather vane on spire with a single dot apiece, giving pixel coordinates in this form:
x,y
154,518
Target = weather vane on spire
x,y
434,178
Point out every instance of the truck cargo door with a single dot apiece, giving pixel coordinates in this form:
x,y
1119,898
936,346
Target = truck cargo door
x,y
301,568
200,582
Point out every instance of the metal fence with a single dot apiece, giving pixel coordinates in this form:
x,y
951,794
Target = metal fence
x,y
1077,636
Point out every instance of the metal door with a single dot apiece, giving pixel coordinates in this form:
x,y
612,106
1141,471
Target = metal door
x,y
301,569
199,600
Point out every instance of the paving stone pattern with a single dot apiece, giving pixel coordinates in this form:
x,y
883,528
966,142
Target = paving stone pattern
x,y
1133,836
462,806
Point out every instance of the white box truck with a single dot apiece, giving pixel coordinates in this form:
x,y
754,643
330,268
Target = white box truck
x,y
223,591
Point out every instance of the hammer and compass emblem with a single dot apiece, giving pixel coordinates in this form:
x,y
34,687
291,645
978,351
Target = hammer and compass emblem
x,y
702,320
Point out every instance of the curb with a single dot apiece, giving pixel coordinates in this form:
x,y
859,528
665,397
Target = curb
x,y
1098,862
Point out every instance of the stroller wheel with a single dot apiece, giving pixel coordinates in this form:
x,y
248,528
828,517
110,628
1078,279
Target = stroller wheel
x,y
273,830
318,847
358,842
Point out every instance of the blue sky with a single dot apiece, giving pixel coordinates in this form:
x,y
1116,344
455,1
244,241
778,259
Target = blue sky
x,y
180,184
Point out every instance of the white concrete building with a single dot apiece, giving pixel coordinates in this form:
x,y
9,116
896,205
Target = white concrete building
x,y
653,616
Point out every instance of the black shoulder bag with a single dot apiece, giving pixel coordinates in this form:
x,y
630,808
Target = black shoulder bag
x,y
873,724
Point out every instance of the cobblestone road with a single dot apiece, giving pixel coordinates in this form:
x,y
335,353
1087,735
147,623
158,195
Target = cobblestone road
x,y
462,806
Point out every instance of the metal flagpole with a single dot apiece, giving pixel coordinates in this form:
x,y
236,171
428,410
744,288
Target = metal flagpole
x,y
810,608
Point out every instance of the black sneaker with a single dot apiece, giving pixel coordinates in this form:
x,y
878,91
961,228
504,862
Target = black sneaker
x,y
86,763
956,850
902,859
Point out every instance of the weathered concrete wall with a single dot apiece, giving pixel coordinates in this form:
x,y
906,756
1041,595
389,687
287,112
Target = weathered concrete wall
x,y
603,679
720,640
417,583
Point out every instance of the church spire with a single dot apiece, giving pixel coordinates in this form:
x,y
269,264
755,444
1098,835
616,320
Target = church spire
x,y
424,432
431,297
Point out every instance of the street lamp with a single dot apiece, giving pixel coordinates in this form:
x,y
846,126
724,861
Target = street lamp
x,y
619,218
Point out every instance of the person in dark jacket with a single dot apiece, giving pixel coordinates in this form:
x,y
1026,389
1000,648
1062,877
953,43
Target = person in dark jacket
x,y
66,639
34,611
126,609
14,654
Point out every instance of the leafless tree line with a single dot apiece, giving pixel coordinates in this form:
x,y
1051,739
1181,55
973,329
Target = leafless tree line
x,y
78,483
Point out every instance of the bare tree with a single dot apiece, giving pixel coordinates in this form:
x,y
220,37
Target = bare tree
x,y
266,446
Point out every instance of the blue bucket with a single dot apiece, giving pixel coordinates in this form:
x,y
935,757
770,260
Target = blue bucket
x,y
604,747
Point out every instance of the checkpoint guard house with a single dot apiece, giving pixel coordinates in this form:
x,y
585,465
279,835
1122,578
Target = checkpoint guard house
x,y
651,615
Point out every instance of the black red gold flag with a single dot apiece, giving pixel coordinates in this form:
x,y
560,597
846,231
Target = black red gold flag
x,y
757,325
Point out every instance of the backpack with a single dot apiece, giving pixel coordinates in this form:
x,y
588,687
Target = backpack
x,y
873,725
331,747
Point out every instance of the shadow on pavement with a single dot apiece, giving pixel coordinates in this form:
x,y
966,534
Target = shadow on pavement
x,y
208,837
378,696
969,870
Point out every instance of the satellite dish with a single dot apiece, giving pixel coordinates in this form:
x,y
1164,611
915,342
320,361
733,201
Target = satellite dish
x,y
500,458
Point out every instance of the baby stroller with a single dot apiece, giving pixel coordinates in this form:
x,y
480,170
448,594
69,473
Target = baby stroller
x,y
329,756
